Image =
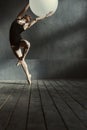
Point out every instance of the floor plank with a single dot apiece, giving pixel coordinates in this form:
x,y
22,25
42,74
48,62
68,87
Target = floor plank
x,y
65,110
76,108
18,119
7,111
76,93
4,94
80,87
36,119
45,105
52,115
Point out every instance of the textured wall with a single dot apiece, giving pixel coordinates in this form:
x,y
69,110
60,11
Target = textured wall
x,y
60,41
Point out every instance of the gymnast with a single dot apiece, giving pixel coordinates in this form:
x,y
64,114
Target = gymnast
x,y
19,45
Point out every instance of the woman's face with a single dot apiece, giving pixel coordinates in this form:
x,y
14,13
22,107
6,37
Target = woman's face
x,y
22,21
25,19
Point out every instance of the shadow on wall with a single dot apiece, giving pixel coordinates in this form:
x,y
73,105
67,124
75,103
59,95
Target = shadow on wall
x,y
60,34
9,9
69,37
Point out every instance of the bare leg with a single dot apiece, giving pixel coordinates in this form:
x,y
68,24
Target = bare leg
x,y
22,62
26,46
25,68
25,51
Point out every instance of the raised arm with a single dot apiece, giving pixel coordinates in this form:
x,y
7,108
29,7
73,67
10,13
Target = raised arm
x,y
40,18
20,15
28,25
43,17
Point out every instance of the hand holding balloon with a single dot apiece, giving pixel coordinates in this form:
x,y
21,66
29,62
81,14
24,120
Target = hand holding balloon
x,y
43,17
49,14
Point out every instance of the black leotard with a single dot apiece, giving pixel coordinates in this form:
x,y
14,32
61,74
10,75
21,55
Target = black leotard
x,y
15,34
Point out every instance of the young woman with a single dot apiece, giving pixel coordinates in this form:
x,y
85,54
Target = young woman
x,y
19,45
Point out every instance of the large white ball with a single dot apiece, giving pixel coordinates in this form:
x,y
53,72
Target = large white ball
x,y
42,7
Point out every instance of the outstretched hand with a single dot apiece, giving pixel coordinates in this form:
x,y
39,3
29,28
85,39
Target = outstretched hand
x,y
43,17
49,14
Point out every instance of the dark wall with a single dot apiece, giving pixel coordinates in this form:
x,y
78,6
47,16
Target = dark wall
x,y
61,37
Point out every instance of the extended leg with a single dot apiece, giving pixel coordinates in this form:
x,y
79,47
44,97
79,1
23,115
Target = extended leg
x,y
25,68
22,62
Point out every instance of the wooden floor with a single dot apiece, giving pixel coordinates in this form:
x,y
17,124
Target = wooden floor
x,y
45,105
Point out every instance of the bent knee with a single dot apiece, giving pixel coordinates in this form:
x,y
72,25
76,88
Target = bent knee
x,y
26,44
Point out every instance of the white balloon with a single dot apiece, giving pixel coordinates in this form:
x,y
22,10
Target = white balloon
x,y
42,7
